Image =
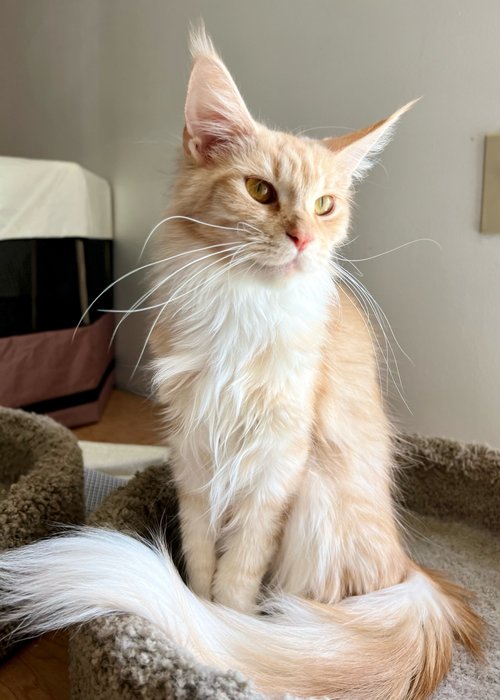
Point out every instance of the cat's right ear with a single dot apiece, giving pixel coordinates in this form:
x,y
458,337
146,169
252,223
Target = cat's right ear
x,y
215,111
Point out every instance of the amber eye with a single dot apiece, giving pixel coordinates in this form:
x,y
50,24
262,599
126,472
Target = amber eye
x,y
261,190
324,205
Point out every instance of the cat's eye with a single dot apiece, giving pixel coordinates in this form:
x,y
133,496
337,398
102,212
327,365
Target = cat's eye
x,y
324,205
261,190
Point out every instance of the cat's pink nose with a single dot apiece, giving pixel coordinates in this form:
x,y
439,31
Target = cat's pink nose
x,y
300,238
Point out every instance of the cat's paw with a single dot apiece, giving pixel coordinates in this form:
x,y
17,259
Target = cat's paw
x,y
200,577
201,586
237,593
237,600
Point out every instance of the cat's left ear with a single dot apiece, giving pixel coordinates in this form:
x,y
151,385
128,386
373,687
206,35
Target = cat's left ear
x,y
215,111
357,151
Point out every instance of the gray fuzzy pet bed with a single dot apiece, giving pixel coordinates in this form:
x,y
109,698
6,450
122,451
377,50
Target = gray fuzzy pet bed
x,y
41,482
454,493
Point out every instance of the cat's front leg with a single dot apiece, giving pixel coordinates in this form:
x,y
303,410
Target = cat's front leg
x,y
249,543
198,542
250,537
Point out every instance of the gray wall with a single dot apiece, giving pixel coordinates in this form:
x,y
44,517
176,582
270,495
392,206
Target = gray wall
x,y
102,82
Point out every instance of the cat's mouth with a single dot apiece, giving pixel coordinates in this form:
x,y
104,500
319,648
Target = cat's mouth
x,y
279,269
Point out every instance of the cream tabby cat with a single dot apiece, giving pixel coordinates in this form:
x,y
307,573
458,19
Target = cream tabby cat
x,y
281,449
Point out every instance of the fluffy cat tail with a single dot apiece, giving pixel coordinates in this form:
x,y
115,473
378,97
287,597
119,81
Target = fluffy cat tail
x,y
393,644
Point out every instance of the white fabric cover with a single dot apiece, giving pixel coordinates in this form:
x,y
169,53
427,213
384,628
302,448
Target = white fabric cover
x,y
120,460
52,199
109,465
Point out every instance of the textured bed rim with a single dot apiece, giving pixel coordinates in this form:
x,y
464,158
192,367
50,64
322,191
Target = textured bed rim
x,y
450,479
42,462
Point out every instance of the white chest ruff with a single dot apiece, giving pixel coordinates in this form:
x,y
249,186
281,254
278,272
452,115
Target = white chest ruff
x,y
238,383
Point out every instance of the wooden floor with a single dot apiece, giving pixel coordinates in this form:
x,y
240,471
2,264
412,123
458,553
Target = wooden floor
x,y
39,671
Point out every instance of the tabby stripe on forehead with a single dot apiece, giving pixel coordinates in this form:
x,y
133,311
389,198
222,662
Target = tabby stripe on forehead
x,y
292,166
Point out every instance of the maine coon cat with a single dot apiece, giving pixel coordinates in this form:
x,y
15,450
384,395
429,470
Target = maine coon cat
x,y
281,449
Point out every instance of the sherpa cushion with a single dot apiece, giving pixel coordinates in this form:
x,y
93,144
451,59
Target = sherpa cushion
x,y
126,658
41,482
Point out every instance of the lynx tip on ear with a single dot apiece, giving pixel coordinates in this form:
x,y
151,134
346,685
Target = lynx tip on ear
x,y
200,44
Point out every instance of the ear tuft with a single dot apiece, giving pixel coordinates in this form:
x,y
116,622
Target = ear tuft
x,y
358,150
200,44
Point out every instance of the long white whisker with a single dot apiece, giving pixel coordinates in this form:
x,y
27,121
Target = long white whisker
x,y
250,226
139,269
162,303
381,317
175,296
129,311
392,250
178,217
368,309
365,318
357,290
164,306
151,291
384,316
213,277
133,308
355,284
351,262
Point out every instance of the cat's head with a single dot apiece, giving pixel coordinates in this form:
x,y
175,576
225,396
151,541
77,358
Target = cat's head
x,y
285,198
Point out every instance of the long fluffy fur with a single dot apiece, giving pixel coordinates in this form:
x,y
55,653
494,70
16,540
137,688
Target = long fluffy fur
x,y
281,449
393,643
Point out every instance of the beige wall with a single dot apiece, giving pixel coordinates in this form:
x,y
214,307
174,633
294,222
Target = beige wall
x,y
102,82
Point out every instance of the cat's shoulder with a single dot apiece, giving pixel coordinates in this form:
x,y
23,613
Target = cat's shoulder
x,y
349,323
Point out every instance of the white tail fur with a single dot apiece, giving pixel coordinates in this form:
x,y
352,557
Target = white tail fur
x,y
382,646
